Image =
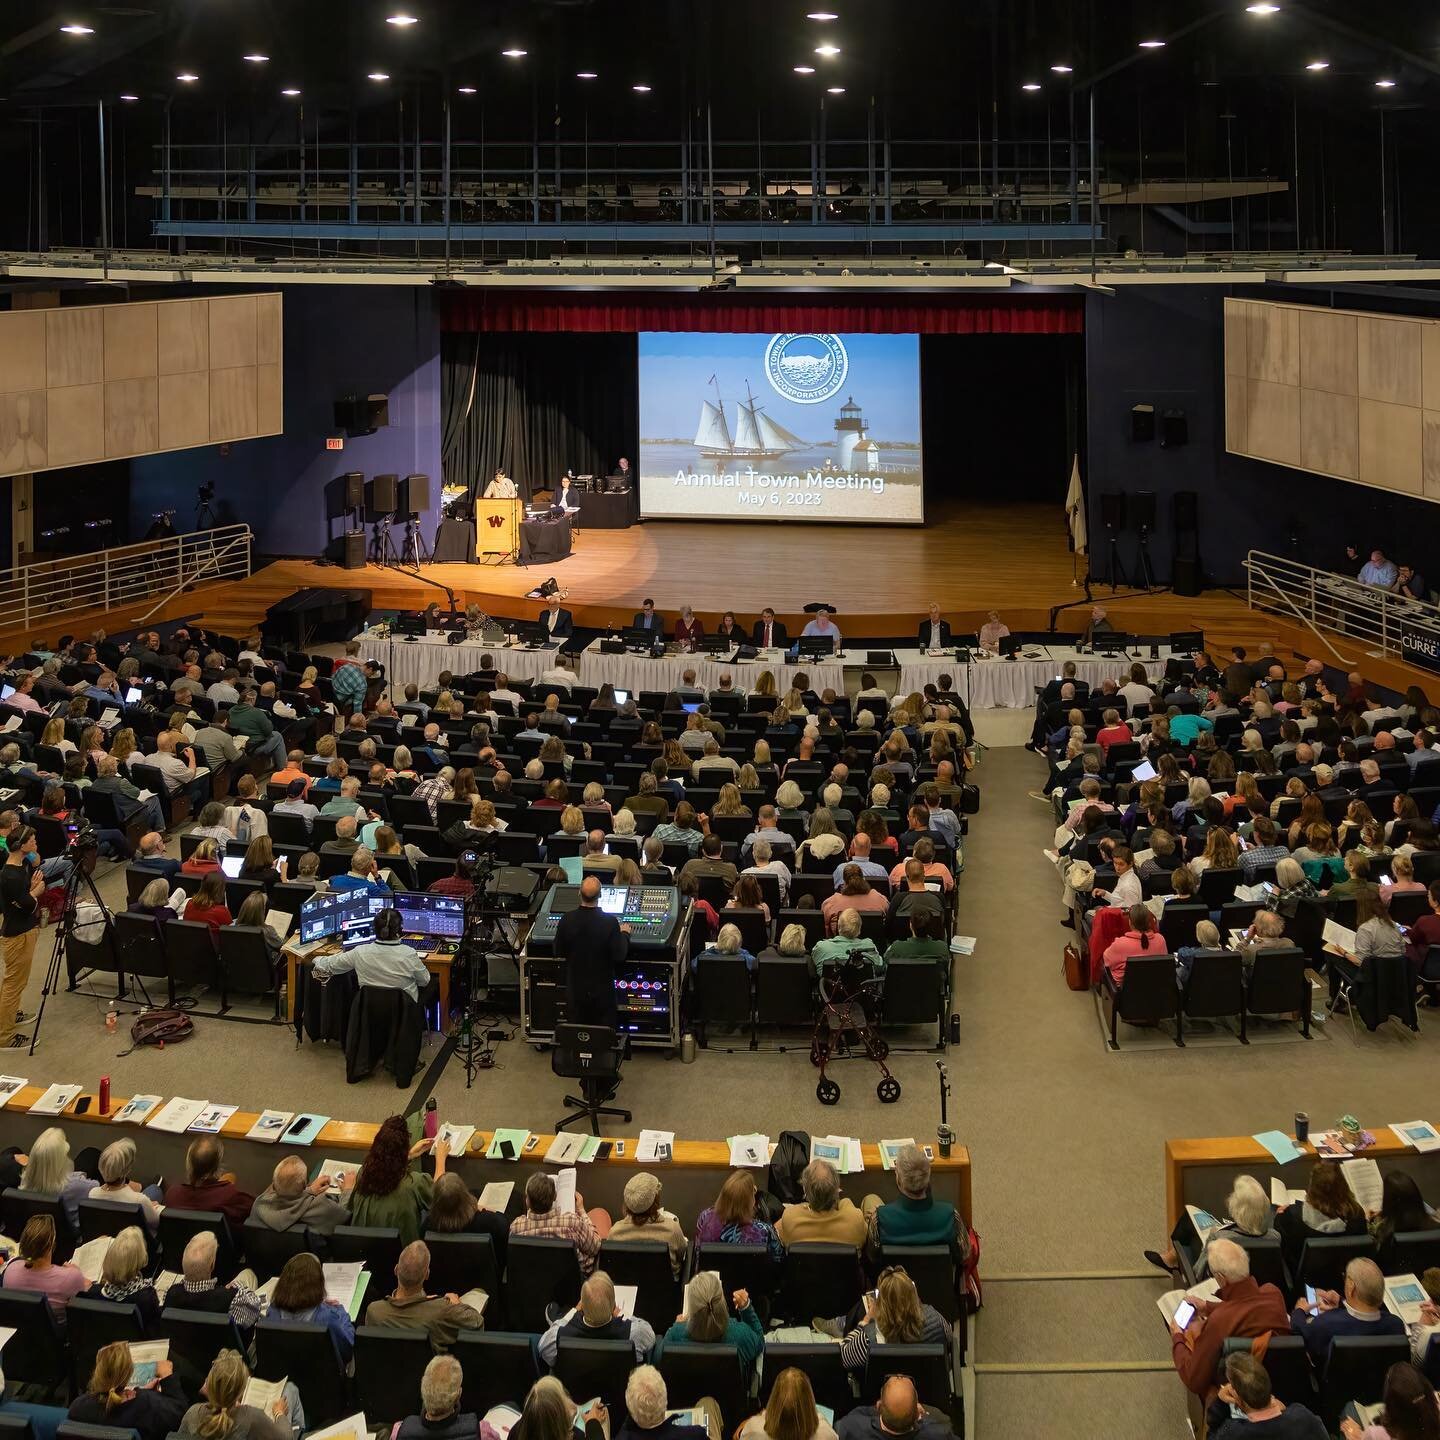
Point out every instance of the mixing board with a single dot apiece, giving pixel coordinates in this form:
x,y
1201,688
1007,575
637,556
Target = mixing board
x,y
651,911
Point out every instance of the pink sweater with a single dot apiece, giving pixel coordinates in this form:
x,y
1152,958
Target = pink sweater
x,y
1128,944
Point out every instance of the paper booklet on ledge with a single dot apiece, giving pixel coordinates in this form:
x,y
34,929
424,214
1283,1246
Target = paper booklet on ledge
x,y
56,1100
565,1149
1169,1302
889,1149
655,1146
211,1120
177,1114
1419,1133
457,1137
10,1086
270,1126
749,1150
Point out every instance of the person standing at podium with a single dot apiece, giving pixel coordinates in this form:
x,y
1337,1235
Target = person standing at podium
x,y
592,944
502,487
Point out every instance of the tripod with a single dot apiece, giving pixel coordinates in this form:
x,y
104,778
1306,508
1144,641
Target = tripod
x,y
1145,578
415,549
1114,571
485,934
384,546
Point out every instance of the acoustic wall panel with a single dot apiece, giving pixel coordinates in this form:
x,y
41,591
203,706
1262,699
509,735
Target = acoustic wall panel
x,y
95,382
1343,393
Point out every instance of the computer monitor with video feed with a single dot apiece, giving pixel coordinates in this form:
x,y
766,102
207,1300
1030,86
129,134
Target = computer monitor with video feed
x,y
613,898
348,914
421,913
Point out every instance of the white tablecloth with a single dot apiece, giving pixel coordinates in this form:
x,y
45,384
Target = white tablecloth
x,y
1011,684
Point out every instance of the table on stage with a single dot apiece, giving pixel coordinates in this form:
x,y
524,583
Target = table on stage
x,y
601,511
497,525
992,684
542,542
454,542
436,963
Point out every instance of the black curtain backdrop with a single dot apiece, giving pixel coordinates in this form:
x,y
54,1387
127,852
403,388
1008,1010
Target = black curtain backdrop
x,y
536,405
1002,416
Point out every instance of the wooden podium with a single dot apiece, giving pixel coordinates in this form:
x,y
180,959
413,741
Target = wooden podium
x,y
497,526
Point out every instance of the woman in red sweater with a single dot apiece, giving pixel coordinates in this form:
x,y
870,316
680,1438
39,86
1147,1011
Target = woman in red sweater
x,y
208,902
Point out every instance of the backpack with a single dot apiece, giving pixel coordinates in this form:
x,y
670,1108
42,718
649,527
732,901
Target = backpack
x,y
155,1027
792,1155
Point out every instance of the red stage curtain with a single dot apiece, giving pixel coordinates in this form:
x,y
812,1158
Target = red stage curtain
x,y
535,311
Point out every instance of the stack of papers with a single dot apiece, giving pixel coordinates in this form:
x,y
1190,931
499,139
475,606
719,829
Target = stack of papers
x,y
270,1126
90,1257
137,1109
145,1356
1169,1302
565,1190
1404,1295
1365,1182
10,1086
496,1196
457,1137
889,1149
346,1284
211,1120
1337,937
1419,1133
514,1138
177,1115
299,1133
335,1171
56,1100
842,1151
1330,1145
749,1150
655,1146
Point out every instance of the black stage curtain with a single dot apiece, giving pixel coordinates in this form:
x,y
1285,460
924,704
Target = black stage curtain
x,y
1002,416
536,405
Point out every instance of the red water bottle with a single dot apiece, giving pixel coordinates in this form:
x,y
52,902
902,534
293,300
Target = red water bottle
x,y
432,1119
104,1094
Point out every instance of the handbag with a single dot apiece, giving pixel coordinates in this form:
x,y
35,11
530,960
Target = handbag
x,y
1075,969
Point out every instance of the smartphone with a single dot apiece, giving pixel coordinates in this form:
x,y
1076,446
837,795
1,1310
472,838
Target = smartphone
x,y
299,1126
82,1105
603,1153
1310,1296
1184,1314
507,1150
619,1149
531,1143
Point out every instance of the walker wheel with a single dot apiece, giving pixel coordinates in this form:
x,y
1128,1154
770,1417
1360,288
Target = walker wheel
x,y
827,1092
879,1049
888,1090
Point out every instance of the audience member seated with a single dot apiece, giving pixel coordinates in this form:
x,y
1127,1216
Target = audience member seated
x,y
916,1217
299,1299
708,1322
1376,937
644,1218
847,943
152,1411
222,1414
124,1277
205,1187
1328,1208
207,904
454,1211
291,1204
914,899
854,893
596,1317
791,1413
726,943
150,855
1261,1416
35,1268
440,1416
647,1403
50,1171
578,1226
710,862
1360,1310
409,1306
390,1191
1248,1209
898,1415
892,1314
826,1215
115,1164
732,1219
197,1288
926,941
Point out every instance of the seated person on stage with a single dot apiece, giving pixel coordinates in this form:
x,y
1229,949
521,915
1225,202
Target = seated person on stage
x,y
648,618
933,632
731,629
992,632
386,962
823,628
502,487
688,628
768,632
559,624
566,497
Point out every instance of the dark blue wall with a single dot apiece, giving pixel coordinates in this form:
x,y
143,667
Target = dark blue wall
x,y
338,339
1163,345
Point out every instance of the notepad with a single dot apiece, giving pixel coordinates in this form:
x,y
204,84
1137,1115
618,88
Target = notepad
x,y
177,1114
1279,1144
56,1100
514,1138
655,1146
457,1137
565,1149
304,1128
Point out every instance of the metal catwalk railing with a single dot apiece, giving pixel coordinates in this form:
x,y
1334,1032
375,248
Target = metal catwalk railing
x,y
1336,607
136,578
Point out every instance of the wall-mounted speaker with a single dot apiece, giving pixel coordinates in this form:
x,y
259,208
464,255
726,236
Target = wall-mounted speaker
x,y
362,414
381,497
414,495
1142,423
1174,429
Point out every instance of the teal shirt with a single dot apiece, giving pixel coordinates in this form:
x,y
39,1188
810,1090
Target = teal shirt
x,y
838,949
904,1221
1185,727
743,1331
913,949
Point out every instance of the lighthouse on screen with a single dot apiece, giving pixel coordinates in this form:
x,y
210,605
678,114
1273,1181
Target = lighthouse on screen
x,y
856,451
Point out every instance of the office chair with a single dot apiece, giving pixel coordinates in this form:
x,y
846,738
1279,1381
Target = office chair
x,y
590,1054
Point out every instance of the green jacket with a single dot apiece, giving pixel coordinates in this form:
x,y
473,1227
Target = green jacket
x,y
836,950
399,1209
912,948
252,721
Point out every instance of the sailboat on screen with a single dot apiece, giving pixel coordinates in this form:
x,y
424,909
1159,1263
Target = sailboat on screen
x,y
756,435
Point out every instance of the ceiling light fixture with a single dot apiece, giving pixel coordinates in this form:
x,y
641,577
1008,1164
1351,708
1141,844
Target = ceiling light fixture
x,y
1384,84
467,89
76,30
1063,69
186,78
401,19
827,50
514,54
129,97
1263,9
256,59
291,92
1152,44
1318,65
1030,85
804,69
641,89
377,75
821,15
586,75
835,90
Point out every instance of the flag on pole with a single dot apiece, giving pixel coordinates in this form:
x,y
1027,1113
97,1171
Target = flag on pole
x,y
1075,510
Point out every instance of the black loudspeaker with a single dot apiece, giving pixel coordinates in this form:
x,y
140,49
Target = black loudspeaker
x,y
1142,423
1174,429
1142,510
414,495
380,496
1185,574
362,414
353,555
1187,512
1112,510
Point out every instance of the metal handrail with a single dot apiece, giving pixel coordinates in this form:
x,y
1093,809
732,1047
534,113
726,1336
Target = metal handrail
x,y
1328,603
123,577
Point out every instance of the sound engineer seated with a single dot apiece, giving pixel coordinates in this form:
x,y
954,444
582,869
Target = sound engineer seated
x,y
386,963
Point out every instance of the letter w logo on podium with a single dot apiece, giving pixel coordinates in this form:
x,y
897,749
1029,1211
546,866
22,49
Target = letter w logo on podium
x,y
495,521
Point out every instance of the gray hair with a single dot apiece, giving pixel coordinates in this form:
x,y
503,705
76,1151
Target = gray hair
x,y
1368,1280
288,1178
125,1257
646,1397
821,1185
623,822
440,1386
117,1160
413,1265
1249,1205
912,1171
762,852
199,1260
1227,1261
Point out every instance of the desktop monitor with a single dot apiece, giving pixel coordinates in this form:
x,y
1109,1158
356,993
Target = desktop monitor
x,y
613,898
1010,644
715,644
1187,640
529,633
642,639
424,914
410,623
815,647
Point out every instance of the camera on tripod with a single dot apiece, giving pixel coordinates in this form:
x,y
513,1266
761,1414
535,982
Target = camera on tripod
x,y
84,847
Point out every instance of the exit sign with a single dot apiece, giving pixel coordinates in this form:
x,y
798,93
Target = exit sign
x,y
334,442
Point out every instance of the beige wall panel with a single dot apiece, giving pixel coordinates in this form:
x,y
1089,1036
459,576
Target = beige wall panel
x,y
233,403
270,406
184,327
1237,429
22,351
1330,433
132,416
1273,416
184,410
1430,454
1236,339
267,329
22,432
74,346
130,341
1328,352
1430,365
1390,446
1389,360
232,331
1274,344
75,423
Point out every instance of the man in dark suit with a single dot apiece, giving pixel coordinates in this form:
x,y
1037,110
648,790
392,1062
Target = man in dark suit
x,y
592,944
933,633
1360,1311
646,618
768,631
559,624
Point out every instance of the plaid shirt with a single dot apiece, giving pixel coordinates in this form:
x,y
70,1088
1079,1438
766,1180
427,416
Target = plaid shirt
x,y
562,1225
244,1306
1251,860
432,791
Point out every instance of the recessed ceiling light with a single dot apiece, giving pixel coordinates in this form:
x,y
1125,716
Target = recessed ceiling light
x,y
822,15
130,97
256,59
1318,65
76,30
827,50
378,75
1384,84
292,92
1152,44
1030,85
835,90
641,89
1063,69
586,75
467,89
186,78
401,19
804,69
1263,9
513,54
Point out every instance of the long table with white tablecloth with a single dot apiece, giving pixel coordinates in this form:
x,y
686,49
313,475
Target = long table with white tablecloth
x,y
1011,684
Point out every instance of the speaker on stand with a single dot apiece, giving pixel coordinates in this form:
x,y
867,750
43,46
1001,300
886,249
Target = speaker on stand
x,y
1112,517
412,500
1185,572
1143,515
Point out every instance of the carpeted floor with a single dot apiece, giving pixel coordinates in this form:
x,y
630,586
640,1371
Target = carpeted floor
x,y
1066,1139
